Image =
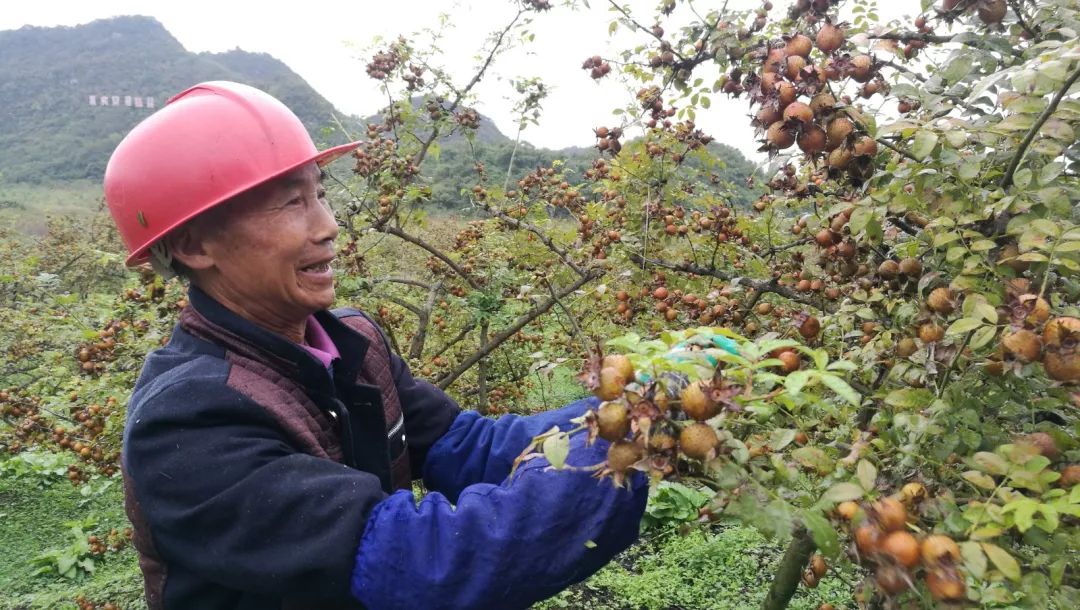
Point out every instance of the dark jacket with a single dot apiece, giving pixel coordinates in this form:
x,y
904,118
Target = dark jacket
x,y
232,423
255,478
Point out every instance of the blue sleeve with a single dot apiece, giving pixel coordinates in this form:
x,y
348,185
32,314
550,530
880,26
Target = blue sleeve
x,y
502,546
478,449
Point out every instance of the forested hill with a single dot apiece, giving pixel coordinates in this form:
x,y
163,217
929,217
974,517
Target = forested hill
x,y
49,129
69,94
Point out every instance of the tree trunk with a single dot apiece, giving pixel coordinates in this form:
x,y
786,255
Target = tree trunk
x,y
790,571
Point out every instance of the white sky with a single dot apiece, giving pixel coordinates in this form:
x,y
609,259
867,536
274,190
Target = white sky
x,y
328,44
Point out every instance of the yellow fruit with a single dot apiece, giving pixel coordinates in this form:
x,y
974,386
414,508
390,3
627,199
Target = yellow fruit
x,y
906,347
912,492
818,565
698,441
620,363
1061,330
930,332
1044,443
622,455
902,547
941,300
946,586
911,267
890,514
847,510
612,421
1070,475
867,538
939,549
696,402
1062,365
611,385
1022,344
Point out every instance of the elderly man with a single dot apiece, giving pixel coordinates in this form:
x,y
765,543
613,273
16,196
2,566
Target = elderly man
x,y
271,444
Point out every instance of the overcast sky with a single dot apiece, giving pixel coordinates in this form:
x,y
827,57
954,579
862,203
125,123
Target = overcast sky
x,y
328,43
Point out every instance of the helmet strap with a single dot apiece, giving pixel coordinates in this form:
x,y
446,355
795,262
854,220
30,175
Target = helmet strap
x,y
161,260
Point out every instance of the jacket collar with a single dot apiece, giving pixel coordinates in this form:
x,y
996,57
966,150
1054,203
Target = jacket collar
x,y
212,321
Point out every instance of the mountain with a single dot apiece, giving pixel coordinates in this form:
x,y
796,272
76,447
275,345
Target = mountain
x,y
49,129
69,94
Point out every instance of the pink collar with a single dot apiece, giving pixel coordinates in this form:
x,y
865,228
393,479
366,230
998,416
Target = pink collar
x,y
318,342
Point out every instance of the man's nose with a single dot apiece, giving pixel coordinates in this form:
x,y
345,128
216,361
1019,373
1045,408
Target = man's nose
x,y
324,224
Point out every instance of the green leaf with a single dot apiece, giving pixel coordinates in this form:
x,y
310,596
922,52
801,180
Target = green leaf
x,y
556,448
963,325
1046,227
841,388
842,492
958,68
1050,172
979,479
1023,511
822,532
924,144
982,337
909,398
867,474
795,382
813,458
781,437
1022,178
1002,560
589,544
974,559
991,463
859,218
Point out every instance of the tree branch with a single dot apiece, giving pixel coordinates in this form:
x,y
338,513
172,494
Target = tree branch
x,y
786,580
412,239
422,153
1006,180
896,149
416,346
758,285
457,339
518,324
547,241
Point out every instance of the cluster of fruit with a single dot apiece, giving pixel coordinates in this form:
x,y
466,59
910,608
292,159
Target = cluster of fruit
x,y
1057,347
114,541
31,425
796,105
884,544
639,420
607,140
379,154
597,67
94,356
385,62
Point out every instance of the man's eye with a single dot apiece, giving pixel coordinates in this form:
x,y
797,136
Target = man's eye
x,y
321,194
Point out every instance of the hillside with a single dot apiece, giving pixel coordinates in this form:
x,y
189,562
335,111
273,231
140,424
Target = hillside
x,y
49,131
69,94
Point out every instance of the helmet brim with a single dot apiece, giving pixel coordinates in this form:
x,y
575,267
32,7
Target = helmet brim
x,y
322,159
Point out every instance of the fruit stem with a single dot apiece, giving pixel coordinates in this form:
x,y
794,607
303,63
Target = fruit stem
x,y
790,571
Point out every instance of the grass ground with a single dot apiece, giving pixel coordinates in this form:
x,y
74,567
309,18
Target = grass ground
x,y
24,207
34,519
725,567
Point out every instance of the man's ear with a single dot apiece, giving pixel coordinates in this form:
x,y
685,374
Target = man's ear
x,y
188,245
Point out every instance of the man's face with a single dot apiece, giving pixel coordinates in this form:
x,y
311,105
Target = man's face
x,y
272,249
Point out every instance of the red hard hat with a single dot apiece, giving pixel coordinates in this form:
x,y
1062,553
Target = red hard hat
x,y
206,145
